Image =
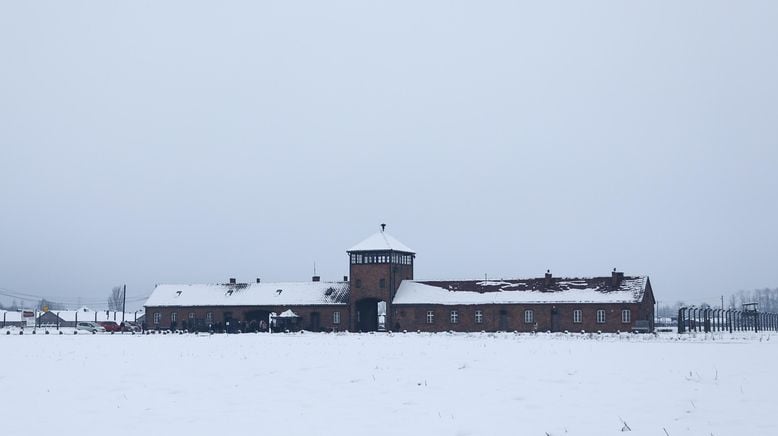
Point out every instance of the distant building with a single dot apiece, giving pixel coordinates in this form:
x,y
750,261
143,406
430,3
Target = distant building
x,y
381,293
69,318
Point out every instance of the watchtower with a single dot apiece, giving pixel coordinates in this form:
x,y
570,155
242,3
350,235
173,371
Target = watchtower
x,y
378,265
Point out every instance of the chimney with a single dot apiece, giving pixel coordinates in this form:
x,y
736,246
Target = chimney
x,y
316,278
258,280
547,279
616,278
345,278
232,281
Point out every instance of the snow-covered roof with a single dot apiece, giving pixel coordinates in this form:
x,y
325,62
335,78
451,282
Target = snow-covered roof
x,y
381,241
85,314
10,316
251,294
288,313
557,290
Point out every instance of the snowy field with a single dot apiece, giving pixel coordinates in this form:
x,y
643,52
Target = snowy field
x,y
380,384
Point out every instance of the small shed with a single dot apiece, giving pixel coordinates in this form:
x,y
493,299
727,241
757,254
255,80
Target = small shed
x,y
287,320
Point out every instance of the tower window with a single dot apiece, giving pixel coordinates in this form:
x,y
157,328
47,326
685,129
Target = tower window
x,y
382,283
359,283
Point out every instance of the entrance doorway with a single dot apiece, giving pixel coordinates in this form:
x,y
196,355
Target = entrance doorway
x,y
555,320
503,323
256,320
371,315
315,322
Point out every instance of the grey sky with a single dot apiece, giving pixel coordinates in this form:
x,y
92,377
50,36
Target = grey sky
x,y
189,141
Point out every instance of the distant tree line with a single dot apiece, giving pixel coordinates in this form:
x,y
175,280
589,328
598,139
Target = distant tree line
x,y
767,299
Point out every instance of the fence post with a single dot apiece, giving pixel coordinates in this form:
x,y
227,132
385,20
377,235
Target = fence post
x,y
729,323
680,319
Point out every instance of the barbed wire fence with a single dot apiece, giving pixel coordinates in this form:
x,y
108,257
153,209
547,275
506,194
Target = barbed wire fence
x,y
698,319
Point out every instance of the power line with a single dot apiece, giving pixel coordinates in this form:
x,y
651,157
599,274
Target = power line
x,y
27,297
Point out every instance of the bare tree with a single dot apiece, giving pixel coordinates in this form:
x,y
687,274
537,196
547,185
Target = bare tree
x,y
115,300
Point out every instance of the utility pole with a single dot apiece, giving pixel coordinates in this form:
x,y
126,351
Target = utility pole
x,y
124,302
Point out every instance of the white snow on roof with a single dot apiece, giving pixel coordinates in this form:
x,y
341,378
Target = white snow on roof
x,y
251,294
381,241
10,316
412,292
288,314
89,315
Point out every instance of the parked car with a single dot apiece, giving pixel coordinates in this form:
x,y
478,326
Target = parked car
x,y
130,326
109,326
90,327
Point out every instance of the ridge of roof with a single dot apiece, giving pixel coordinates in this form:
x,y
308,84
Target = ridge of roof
x,y
381,241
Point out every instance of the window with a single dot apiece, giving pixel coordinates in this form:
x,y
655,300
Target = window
x,y
626,316
382,283
359,283
336,317
173,316
479,317
157,317
600,316
359,258
191,315
209,317
454,317
577,316
529,316
430,317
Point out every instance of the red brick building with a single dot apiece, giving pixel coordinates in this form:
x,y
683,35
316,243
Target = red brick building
x,y
382,294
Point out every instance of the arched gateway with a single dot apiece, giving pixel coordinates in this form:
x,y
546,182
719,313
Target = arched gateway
x,y
377,267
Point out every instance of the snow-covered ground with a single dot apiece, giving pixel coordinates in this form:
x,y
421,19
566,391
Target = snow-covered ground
x,y
381,384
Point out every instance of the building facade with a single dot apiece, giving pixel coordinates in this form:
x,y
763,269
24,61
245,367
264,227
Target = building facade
x,y
381,293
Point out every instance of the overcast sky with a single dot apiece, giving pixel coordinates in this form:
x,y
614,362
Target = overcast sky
x,y
185,141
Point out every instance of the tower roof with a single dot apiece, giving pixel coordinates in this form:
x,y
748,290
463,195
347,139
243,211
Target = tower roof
x,y
381,241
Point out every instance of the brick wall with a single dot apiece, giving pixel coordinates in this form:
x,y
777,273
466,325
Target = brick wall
x,y
512,317
243,314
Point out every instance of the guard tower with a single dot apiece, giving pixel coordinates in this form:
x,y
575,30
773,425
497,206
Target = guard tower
x,y
377,267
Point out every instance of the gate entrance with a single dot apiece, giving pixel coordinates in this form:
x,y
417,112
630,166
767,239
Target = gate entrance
x,y
371,315
256,320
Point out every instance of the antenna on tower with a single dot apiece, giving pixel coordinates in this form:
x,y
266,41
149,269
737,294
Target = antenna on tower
x,y
314,267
